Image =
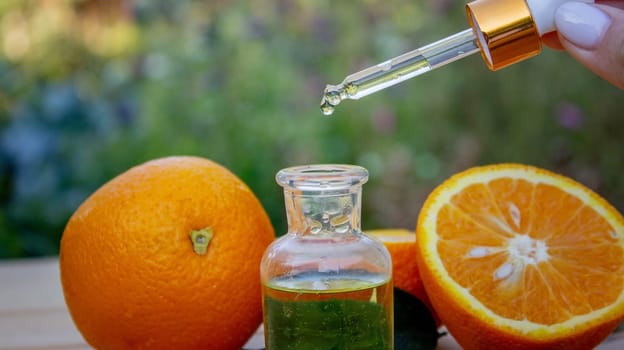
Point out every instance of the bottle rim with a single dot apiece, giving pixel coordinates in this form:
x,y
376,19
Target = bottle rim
x,y
322,177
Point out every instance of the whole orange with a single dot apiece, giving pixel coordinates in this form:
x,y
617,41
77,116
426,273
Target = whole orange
x,y
401,245
132,266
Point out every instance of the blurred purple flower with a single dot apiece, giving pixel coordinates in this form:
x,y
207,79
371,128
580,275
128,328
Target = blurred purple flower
x,y
384,120
442,7
570,116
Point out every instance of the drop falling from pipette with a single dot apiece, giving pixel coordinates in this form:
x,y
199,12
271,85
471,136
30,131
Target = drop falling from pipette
x,y
504,31
399,69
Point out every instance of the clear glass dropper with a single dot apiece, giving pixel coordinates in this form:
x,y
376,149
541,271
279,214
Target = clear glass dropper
x,y
399,69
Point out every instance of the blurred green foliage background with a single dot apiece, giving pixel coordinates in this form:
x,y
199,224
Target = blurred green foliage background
x,y
90,88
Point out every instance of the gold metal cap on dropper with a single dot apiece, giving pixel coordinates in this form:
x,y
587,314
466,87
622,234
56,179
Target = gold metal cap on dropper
x,y
505,30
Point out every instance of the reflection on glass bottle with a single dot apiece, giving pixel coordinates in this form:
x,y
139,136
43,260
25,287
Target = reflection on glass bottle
x,y
325,284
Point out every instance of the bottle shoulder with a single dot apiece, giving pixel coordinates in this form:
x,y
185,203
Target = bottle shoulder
x,y
294,253
323,244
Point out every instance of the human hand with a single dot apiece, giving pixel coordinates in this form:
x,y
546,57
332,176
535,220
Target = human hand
x,y
594,35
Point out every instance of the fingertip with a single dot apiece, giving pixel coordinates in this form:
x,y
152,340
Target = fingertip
x,y
596,42
582,24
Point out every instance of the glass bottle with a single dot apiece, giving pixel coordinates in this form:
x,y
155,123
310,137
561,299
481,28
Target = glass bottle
x,y
325,284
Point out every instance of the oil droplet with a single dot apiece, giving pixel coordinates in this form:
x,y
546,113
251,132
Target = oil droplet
x,y
339,220
342,228
326,108
340,223
332,96
315,227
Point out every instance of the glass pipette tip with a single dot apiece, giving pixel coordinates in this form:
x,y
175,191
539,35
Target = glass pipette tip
x,y
400,68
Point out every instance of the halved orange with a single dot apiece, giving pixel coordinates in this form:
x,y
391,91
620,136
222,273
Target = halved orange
x,y
517,257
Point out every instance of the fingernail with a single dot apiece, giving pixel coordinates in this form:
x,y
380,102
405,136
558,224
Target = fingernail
x,y
582,24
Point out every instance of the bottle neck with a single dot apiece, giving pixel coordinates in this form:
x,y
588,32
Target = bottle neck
x,y
321,213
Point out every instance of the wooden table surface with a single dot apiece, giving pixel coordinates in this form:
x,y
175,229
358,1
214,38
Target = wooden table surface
x,y
33,315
